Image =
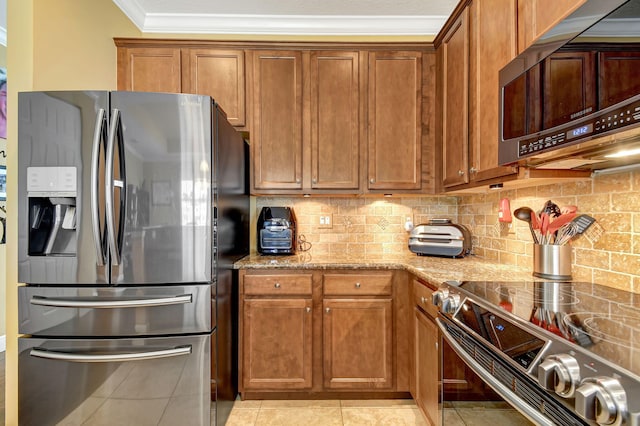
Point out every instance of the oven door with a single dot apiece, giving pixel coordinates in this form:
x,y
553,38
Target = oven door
x,y
472,395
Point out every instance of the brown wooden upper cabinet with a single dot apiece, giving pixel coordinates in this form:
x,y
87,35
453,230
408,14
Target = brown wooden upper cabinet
x,y
218,73
453,55
334,119
394,120
493,26
144,69
535,17
276,132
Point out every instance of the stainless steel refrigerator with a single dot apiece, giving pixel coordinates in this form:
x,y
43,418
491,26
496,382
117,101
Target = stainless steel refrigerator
x,y
133,208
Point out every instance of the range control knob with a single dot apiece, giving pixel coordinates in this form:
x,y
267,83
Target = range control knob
x,y
450,303
559,373
438,296
603,400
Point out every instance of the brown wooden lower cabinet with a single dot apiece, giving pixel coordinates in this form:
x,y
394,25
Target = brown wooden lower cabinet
x,y
427,366
358,343
277,336
315,334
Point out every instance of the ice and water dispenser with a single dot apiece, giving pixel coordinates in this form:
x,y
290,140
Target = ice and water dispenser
x,y
52,195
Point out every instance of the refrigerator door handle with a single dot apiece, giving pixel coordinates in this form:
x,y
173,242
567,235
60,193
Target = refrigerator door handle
x,y
115,357
98,137
110,304
109,187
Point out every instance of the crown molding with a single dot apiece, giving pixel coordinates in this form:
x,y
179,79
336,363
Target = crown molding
x,y
279,24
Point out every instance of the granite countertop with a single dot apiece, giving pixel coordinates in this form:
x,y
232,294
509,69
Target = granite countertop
x,y
429,268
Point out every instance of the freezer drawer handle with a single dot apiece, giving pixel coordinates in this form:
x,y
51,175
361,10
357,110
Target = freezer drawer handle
x,y
120,303
117,357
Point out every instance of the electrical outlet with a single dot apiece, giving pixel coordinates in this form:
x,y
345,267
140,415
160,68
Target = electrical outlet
x,y
325,221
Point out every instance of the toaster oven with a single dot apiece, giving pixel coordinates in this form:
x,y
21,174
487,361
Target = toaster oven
x,y
440,237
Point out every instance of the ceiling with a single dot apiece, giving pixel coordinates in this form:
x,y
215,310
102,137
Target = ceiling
x,y
289,17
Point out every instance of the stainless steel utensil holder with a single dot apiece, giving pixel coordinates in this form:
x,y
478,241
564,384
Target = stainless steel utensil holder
x,y
552,262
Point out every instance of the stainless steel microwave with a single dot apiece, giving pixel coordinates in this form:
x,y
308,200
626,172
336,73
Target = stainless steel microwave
x,y
572,100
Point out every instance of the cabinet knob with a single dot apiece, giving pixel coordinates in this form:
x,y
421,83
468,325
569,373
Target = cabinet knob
x,y
314,180
277,285
460,173
372,180
473,170
308,309
357,285
327,310
422,299
298,180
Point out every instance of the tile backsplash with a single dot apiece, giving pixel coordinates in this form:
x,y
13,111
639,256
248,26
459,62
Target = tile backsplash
x,y
375,226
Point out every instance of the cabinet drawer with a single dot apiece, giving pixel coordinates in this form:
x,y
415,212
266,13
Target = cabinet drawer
x,y
357,284
255,285
422,298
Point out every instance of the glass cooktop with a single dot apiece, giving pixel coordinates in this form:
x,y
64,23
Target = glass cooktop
x,y
602,320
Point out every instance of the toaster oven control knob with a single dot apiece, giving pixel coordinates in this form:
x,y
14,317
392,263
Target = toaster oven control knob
x,y
559,373
450,303
603,400
438,296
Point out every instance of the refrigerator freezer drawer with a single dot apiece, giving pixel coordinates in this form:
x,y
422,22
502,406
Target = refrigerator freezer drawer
x,y
115,311
153,381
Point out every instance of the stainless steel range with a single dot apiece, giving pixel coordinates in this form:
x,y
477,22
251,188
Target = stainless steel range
x,y
561,353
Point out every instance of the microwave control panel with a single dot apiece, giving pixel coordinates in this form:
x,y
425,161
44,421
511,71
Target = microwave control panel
x,y
598,124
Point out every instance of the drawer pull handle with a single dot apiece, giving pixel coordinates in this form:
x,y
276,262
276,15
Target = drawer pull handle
x,y
357,285
277,285
110,304
115,357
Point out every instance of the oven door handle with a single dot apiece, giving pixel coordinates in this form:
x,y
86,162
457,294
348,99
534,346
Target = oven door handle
x,y
496,385
115,357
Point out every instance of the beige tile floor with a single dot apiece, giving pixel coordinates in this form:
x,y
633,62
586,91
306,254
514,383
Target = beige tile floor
x,y
368,412
325,412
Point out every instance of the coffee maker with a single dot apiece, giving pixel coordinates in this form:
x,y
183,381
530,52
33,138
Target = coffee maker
x,y
277,231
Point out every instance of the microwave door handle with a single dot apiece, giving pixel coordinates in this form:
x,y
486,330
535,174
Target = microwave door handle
x,y
109,188
115,357
98,137
55,302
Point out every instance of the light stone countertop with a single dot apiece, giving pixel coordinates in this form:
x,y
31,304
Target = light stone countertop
x,y
429,268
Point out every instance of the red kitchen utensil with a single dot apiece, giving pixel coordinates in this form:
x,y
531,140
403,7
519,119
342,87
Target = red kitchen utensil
x,y
544,227
559,221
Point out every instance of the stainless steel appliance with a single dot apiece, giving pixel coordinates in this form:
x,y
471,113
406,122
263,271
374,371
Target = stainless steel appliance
x,y
561,353
572,100
440,237
277,231
133,209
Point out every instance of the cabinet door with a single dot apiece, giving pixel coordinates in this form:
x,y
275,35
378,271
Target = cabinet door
x,y
276,133
335,109
454,56
358,345
277,344
427,367
149,69
493,43
395,127
535,17
219,74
